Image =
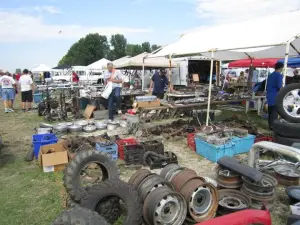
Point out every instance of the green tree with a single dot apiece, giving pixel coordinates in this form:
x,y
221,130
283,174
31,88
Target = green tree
x,y
87,50
18,70
146,47
133,50
118,43
154,47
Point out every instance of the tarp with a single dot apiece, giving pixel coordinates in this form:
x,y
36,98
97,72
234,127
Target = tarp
x,y
138,61
292,62
98,65
261,38
41,68
259,63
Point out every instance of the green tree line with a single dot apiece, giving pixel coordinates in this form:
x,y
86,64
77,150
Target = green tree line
x,y
94,47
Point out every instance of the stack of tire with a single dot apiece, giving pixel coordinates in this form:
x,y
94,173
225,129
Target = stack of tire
x,y
288,107
101,202
176,196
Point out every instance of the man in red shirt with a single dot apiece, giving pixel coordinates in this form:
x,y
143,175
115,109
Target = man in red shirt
x,y
75,77
18,75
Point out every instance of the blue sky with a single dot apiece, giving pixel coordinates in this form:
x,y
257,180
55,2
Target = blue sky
x,y
29,29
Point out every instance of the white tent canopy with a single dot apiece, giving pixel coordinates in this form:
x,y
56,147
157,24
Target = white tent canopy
x,y
98,65
121,60
41,68
141,60
259,38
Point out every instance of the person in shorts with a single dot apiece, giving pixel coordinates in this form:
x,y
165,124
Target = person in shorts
x,y
27,88
8,86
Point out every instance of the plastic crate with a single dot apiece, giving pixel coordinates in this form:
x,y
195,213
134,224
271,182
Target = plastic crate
x,y
243,145
109,149
133,154
235,146
121,143
154,146
39,140
191,141
37,98
263,138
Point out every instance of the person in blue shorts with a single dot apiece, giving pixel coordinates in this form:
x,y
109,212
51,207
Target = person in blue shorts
x,y
8,86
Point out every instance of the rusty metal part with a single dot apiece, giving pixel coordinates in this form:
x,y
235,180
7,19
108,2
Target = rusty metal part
x,y
166,169
174,172
258,195
136,174
228,179
150,183
140,178
287,175
164,206
182,177
202,199
232,201
267,184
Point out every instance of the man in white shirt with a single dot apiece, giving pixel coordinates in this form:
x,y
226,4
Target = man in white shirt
x,y
27,88
8,85
116,77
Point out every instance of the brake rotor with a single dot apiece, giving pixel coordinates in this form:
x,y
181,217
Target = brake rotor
x,y
228,179
182,177
267,184
287,175
164,206
201,198
232,201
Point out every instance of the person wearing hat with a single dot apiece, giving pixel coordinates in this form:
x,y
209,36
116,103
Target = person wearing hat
x,y
274,83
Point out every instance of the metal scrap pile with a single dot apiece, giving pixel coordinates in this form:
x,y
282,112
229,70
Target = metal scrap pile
x,y
239,123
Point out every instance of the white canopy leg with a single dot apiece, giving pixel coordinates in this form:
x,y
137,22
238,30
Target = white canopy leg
x,y
210,84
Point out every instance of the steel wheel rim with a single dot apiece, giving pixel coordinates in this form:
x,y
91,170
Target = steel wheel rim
x,y
233,203
201,201
291,103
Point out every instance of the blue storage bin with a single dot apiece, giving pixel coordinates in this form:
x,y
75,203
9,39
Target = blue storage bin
x,y
213,152
37,98
109,149
243,145
39,140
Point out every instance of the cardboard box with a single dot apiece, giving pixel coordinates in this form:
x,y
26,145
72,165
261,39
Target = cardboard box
x,y
53,157
88,112
150,104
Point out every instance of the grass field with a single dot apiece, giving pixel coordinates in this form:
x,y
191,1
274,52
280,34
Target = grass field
x,y
30,197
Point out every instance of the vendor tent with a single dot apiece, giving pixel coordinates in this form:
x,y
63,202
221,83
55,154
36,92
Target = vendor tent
x,y
41,68
99,65
120,60
292,62
259,63
269,39
142,60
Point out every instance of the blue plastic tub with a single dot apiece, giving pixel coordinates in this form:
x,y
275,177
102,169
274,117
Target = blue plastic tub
x,y
109,149
37,98
235,146
39,140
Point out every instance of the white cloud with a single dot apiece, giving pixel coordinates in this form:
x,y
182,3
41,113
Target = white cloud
x,y
48,9
19,27
224,11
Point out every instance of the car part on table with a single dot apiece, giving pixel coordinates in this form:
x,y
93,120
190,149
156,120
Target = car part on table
x,y
202,199
164,206
286,129
254,154
115,189
150,183
287,175
76,169
228,179
242,169
232,201
294,194
288,103
79,216
157,161
244,217
89,128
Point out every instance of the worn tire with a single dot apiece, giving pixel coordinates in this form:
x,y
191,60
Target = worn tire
x,y
81,159
286,129
279,102
29,155
118,189
70,203
79,216
285,140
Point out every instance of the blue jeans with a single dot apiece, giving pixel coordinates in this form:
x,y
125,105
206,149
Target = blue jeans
x,y
8,94
115,96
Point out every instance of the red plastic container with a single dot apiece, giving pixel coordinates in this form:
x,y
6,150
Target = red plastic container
x,y
121,143
191,141
263,138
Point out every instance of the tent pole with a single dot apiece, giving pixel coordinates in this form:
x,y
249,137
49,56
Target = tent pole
x,y
210,84
170,74
143,74
286,58
267,79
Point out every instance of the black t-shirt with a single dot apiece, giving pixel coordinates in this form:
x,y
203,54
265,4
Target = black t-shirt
x,y
160,83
